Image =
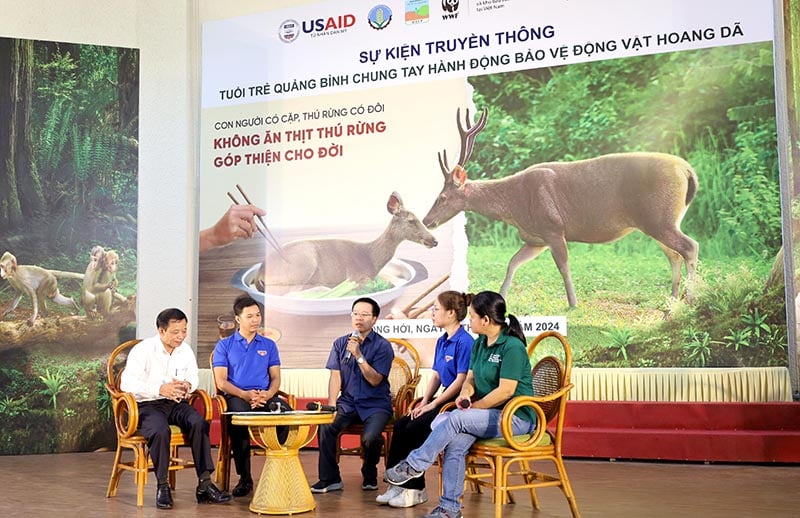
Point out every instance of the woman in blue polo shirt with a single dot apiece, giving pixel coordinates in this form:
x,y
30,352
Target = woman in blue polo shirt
x,y
450,365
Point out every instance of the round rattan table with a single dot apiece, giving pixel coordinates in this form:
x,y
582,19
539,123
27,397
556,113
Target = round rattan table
x,y
283,487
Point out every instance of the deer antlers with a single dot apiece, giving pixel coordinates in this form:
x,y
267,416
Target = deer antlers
x,y
468,136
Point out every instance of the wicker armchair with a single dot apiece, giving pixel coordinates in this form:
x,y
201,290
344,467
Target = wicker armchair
x,y
403,379
126,420
490,461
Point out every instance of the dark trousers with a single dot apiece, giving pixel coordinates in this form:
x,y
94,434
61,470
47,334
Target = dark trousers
x,y
371,443
408,435
240,436
155,417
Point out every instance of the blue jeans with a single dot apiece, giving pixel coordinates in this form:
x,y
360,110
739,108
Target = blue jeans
x,y
454,436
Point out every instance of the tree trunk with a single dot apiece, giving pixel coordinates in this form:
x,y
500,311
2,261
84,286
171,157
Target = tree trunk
x,y
28,182
20,189
128,92
10,213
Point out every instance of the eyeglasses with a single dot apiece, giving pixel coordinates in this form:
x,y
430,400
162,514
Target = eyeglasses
x,y
361,315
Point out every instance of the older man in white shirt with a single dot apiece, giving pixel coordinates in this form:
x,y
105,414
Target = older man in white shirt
x,y
160,372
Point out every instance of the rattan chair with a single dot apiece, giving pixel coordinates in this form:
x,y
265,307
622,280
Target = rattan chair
x,y
504,463
403,379
126,420
225,452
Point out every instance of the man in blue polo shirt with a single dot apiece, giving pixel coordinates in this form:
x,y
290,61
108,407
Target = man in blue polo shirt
x,y
359,365
247,370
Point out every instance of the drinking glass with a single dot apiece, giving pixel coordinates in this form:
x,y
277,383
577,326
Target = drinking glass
x,y
226,325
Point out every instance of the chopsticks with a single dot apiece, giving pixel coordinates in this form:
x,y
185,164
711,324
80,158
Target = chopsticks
x,y
265,232
421,296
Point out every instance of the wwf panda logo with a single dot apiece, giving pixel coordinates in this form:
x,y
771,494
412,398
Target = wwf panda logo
x,y
450,6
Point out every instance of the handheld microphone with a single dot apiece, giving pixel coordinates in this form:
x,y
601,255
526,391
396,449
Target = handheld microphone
x,y
316,405
347,354
464,404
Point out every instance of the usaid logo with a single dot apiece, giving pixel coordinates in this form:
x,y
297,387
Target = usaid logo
x,y
331,25
450,8
288,31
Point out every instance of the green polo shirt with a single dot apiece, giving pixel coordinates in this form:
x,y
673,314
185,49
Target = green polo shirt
x,y
506,358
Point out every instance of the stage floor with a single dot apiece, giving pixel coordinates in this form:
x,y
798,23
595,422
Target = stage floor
x,y
74,484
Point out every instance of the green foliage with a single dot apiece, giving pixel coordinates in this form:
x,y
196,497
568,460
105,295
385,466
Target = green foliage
x,y
85,151
620,293
697,348
738,338
54,383
12,407
756,324
103,399
621,338
51,402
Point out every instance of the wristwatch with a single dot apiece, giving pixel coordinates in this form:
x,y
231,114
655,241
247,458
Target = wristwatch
x,y
360,360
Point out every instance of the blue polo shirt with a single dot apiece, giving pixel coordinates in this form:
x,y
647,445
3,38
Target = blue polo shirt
x,y
357,393
451,356
248,364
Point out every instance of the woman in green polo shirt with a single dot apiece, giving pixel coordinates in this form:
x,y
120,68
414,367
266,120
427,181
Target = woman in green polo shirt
x,y
499,369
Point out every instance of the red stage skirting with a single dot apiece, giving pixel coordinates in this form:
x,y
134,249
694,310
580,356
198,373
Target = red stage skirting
x,y
678,431
723,432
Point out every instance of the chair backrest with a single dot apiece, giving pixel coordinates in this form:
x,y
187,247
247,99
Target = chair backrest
x,y
116,364
406,352
551,373
404,376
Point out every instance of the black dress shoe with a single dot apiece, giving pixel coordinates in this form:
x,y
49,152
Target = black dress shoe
x,y
212,495
163,497
243,488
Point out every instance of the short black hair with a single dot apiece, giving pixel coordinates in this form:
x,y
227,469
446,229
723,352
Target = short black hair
x,y
168,315
245,301
376,309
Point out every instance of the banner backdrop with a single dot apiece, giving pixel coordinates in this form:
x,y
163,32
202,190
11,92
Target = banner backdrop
x,y
69,140
631,146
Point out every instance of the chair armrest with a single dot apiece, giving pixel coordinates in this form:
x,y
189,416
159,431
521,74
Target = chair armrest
x,y
207,411
562,392
126,412
447,407
222,403
403,400
509,409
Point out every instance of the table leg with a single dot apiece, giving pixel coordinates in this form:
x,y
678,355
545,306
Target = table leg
x,y
283,486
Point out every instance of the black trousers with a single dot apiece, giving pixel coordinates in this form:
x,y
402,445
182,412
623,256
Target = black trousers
x,y
408,435
155,417
240,436
371,443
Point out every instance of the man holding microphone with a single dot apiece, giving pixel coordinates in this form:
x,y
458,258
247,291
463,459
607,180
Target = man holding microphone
x,y
359,365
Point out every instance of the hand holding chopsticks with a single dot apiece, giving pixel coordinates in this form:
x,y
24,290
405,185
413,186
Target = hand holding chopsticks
x,y
263,229
240,221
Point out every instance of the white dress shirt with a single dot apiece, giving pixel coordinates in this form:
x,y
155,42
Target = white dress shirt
x,y
149,366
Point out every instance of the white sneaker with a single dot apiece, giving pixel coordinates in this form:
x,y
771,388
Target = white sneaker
x,y
409,498
391,492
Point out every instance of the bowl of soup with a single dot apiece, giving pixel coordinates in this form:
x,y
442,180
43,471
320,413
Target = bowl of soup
x,y
390,283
